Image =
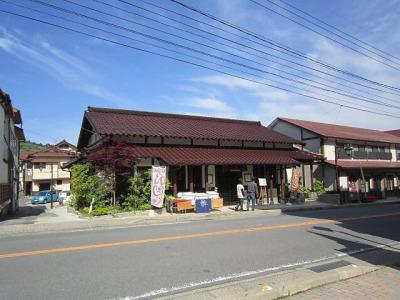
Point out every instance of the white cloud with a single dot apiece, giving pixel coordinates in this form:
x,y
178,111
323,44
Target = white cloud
x,y
65,67
210,106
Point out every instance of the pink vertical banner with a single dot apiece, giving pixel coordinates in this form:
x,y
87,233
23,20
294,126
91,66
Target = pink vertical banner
x,y
158,178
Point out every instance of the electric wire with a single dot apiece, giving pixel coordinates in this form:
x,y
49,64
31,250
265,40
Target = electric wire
x,y
248,52
207,24
334,28
189,62
328,37
286,48
198,51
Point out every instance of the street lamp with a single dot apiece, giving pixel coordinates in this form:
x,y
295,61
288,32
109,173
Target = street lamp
x,y
349,151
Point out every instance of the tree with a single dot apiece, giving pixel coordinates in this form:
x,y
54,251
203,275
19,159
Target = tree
x,y
85,186
112,159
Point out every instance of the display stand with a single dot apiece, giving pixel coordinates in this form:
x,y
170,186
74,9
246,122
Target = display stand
x,y
263,193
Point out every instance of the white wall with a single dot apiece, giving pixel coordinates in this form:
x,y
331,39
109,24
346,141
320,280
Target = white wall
x,y
394,152
287,129
329,149
295,132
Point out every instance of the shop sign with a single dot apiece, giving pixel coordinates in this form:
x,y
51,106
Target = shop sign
x,y
158,178
262,181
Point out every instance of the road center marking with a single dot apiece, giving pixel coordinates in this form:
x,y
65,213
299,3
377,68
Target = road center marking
x,y
189,236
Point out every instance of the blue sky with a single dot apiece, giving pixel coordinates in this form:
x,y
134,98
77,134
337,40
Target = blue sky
x,y
53,75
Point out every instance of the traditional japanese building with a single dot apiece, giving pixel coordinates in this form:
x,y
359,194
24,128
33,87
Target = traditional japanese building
x,y
201,153
42,169
353,156
11,136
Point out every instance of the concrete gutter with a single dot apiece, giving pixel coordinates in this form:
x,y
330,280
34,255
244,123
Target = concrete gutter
x,y
276,286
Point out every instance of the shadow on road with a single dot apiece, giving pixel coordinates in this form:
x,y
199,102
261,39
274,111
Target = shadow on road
x,y
26,214
365,233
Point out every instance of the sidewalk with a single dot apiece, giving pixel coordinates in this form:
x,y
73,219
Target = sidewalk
x,y
381,284
59,219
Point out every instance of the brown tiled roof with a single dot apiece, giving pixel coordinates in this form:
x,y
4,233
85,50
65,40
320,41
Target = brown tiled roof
x,y
19,132
52,151
345,132
351,164
138,123
220,156
23,155
17,116
394,132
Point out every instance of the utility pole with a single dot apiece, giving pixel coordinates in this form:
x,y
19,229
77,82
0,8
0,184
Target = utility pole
x,y
51,187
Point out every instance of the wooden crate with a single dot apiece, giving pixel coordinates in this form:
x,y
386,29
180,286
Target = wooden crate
x,y
184,205
217,203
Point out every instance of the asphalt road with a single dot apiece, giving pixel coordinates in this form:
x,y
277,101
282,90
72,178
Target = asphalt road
x,y
147,260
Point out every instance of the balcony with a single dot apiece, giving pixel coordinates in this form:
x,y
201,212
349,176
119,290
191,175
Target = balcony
x,y
365,155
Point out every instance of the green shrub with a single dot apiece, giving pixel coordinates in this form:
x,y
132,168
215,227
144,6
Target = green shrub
x,y
319,187
100,211
139,192
85,186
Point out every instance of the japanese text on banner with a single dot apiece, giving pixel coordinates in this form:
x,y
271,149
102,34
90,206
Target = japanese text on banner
x,y
158,178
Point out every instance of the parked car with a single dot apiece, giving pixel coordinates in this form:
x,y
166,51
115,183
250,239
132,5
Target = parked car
x,y
45,197
64,197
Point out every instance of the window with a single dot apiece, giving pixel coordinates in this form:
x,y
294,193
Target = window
x,y
387,150
368,148
39,166
59,182
355,147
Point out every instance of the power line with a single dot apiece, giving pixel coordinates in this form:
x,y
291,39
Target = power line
x,y
207,24
190,63
326,36
167,49
286,48
199,51
241,50
170,50
174,51
337,29
252,54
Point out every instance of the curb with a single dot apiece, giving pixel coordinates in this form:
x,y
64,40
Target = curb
x,y
274,286
338,206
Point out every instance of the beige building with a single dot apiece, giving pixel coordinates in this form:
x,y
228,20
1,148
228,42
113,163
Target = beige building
x,y
357,160
42,170
11,135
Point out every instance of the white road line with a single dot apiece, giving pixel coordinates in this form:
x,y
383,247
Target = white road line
x,y
235,276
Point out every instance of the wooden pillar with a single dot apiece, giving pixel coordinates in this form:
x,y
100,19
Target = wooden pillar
x,y
271,188
191,185
206,177
282,185
174,181
311,176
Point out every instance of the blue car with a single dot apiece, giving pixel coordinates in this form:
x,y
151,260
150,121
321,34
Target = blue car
x,y
44,197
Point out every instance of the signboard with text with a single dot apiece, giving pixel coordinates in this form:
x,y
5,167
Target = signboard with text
x,y
262,181
158,179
